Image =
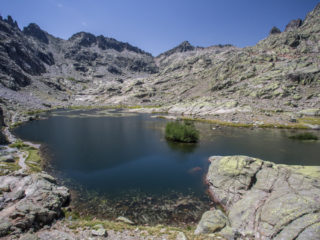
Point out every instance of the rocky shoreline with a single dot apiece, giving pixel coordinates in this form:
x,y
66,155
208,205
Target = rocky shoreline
x,y
262,200
252,195
272,84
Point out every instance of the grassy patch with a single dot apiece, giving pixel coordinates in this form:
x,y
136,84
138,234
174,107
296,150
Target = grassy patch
x,y
141,106
304,136
160,112
169,232
71,79
33,160
14,125
218,122
248,125
182,132
35,112
310,120
18,144
11,167
283,126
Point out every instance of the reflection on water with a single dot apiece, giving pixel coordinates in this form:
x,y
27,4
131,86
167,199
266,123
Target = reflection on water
x,y
119,163
92,113
182,147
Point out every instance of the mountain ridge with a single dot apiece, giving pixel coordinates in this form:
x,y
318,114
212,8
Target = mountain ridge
x,y
279,72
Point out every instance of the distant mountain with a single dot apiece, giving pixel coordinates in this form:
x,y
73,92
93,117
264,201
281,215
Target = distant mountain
x,y
182,47
33,52
280,72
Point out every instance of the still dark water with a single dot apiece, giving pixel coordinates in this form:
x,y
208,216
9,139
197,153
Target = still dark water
x,y
119,163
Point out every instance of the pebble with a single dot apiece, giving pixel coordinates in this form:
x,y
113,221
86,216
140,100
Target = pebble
x,y
181,236
100,232
124,220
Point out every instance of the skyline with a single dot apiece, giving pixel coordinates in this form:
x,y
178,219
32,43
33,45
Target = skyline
x,y
156,27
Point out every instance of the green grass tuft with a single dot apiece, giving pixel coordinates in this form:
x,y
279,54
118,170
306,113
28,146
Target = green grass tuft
x,y
35,112
18,144
310,120
33,160
71,79
182,132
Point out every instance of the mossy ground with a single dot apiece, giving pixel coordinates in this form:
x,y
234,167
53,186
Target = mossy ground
x,y
10,167
18,144
34,160
16,124
34,112
310,120
168,232
248,125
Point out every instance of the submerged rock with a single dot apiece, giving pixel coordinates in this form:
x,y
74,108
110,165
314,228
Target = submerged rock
x,y
265,200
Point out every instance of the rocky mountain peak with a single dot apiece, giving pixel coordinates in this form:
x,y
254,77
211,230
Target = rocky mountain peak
x,y
185,46
11,22
316,10
275,30
293,25
314,15
84,39
35,31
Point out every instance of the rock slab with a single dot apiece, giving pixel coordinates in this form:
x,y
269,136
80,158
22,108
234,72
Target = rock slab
x,y
263,200
30,202
211,221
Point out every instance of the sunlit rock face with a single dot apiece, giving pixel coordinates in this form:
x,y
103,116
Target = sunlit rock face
x,y
264,200
30,202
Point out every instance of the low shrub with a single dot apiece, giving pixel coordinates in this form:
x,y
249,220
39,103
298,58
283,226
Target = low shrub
x,y
181,132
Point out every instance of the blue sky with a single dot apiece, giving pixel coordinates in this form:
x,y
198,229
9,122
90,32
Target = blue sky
x,y
158,25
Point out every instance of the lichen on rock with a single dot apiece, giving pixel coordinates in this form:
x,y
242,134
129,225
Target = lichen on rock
x,y
266,200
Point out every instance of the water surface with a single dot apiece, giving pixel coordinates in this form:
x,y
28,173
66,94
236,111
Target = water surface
x,y
119,163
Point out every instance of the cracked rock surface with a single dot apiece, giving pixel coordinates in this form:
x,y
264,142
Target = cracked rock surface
x,y
29,202
264,200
